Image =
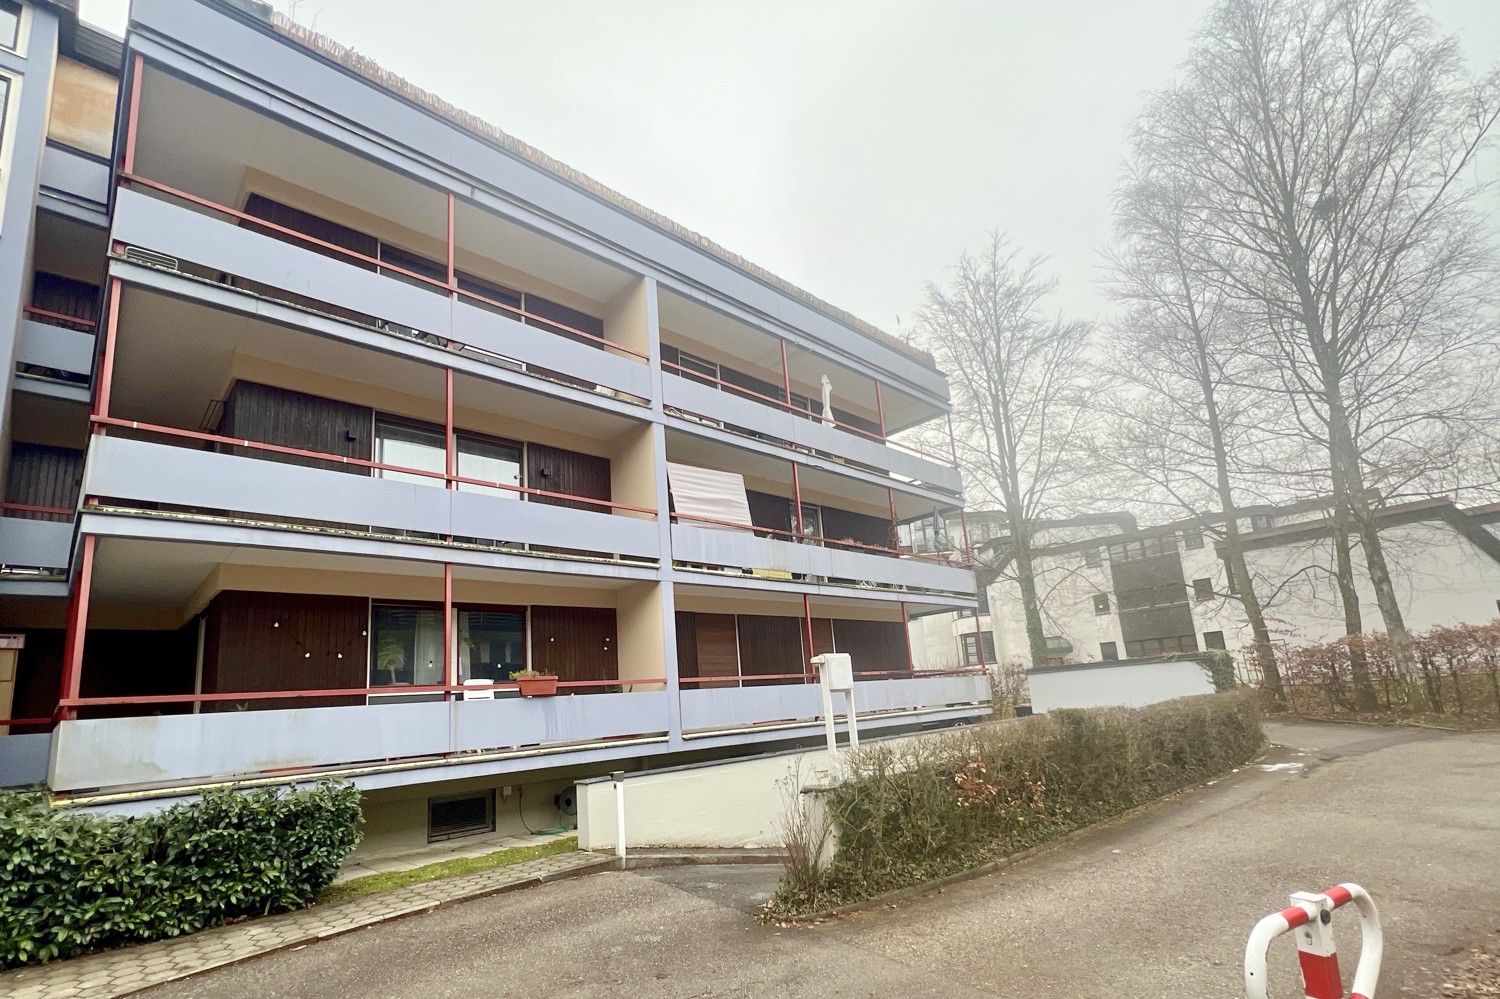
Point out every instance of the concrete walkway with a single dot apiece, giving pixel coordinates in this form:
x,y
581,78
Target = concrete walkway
x,y
1154,907
364,864
131,969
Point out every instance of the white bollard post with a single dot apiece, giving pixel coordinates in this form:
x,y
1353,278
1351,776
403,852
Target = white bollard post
x,y
619,779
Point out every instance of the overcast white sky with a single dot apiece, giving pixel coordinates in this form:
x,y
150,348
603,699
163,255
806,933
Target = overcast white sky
x,y
855,147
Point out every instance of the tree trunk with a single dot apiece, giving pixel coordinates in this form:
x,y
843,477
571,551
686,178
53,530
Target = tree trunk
x,y
1359,663
1036,638
1265,654
1402,654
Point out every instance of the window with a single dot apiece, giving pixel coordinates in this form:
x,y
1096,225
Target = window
x,y
1260,522
406,645
460,815
698,369
1192,539
1109,652
412,445
812,521
1161,646
1203,589
1093,556
970,647
491,644
10,24
1101,603
1213,640
983,595
1126,551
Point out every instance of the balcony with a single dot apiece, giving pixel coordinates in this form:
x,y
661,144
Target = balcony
x,y
716,546
709,712
114,752
141,474
799,431
402,304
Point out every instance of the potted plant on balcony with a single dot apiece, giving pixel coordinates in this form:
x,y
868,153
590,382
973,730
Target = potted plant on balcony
x,y
534,684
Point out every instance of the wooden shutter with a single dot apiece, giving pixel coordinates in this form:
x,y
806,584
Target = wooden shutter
x,y
41,475
295,419
873,645
771,646
285,641
560,471
576,643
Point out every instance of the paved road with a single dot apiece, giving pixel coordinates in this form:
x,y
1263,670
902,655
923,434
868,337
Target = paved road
x,y
1157,907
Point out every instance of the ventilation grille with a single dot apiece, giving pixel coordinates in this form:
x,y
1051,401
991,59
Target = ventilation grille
x,y
151,258
468,815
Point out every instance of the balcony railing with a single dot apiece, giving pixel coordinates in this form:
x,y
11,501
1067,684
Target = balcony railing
x,y
167,749
796,428
717,710
786,552
441,314
177,749
124,469
36,537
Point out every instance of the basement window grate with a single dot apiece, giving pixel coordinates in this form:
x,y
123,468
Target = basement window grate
x,y
460,815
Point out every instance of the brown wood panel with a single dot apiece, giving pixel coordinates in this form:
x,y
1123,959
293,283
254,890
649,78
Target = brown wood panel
x,y
71,297
41,475
116,663
576,643
285,641
311,225
706,648
822,630
841,525
872,645
769,510
560,471
295,419
770,645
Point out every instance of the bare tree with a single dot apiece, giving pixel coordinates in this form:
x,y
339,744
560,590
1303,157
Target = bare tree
x,y
1018,382
1327,146
1180,416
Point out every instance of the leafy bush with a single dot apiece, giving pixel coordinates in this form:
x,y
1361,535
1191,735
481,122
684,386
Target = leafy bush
x,y
1458,667
915,809
72,882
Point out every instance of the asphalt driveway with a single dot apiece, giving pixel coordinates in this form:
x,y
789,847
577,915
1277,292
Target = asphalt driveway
x,y
1158,906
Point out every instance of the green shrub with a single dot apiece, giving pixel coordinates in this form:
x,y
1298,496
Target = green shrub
x,y
72,882
915,809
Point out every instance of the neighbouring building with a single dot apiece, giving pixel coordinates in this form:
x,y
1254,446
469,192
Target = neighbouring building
x,y
332,407
1113,591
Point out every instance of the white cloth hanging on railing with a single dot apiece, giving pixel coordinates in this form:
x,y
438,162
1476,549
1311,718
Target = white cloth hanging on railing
x,y
827,401
710,493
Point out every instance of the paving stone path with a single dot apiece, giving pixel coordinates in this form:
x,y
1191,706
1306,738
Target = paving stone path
x,y
131,969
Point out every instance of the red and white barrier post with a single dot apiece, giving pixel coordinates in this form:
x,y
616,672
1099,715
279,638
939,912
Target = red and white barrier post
x,y
1311,916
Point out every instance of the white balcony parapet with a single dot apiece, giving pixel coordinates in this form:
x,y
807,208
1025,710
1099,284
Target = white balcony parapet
x,y
164,749
723,708
121,468
740,549
706,400
44,544
150,223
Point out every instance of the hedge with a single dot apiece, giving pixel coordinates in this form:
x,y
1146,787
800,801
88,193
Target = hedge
x,y
72,882
911,810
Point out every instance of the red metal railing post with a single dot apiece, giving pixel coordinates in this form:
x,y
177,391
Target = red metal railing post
x,y
890,495
450,661
450,459
77,626
880,409
107,360
133,114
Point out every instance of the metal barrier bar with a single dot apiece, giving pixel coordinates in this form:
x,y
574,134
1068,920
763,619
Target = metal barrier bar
x,y
1312,916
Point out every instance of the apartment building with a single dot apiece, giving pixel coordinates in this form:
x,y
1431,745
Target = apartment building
x,y
353,406
1111,590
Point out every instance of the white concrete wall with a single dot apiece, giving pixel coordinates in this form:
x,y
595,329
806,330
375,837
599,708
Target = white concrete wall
x,y
716,805
1439,575
1128,685
719,805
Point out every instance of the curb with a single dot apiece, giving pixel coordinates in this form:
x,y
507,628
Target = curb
x,y
938,884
